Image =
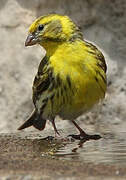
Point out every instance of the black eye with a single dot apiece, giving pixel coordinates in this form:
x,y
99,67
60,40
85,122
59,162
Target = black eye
x,y
40,27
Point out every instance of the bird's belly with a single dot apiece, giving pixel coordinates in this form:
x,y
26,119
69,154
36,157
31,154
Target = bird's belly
x,y
81,101
75,101
74,110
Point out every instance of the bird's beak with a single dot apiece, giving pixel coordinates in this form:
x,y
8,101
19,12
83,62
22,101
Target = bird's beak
x,y
31,40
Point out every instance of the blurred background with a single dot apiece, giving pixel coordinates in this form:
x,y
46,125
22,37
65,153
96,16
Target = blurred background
x,y
103,22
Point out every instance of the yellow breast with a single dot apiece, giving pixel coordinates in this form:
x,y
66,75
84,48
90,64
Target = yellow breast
x,y
87,79
83,82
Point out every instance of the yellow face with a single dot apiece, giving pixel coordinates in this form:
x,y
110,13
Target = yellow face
x,y
52,27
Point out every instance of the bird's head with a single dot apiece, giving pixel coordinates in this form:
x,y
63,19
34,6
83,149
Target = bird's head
x,y
52,28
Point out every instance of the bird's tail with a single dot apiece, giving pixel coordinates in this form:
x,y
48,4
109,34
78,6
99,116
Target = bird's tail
x,y
34,120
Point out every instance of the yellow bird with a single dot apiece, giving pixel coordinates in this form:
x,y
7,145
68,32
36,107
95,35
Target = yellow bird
x,y
71,78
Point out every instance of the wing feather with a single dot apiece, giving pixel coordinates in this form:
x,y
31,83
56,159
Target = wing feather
x,y
42,80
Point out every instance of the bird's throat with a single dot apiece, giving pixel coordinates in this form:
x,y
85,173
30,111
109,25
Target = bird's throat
x,y
51,47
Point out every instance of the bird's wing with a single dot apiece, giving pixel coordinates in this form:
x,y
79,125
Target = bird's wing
x,y
42,80
40,84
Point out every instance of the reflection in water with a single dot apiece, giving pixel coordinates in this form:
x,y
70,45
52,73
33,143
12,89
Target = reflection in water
x,y
110,149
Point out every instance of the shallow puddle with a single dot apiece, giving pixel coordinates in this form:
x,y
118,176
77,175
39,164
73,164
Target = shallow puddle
x,y
110,149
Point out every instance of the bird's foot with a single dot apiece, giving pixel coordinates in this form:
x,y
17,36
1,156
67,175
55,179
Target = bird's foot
x,y
53,138
49,138
85,137
63,139
59,138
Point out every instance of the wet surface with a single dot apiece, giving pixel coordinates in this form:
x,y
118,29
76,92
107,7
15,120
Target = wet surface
x,y
25,153
108,150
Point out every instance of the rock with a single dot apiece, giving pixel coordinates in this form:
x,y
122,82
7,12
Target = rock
x,y
25,157
101,22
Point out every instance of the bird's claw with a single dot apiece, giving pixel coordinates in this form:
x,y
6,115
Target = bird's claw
x,y
85,137
49,138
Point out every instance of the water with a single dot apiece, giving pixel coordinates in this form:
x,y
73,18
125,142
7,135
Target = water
x,y
109,149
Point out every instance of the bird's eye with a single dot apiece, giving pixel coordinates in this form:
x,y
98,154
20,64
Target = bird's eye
x,y
40,27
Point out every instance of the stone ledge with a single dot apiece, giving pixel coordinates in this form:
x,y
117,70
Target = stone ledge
x,y
21,157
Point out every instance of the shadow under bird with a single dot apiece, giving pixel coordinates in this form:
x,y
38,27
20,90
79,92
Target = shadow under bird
x,y
71,78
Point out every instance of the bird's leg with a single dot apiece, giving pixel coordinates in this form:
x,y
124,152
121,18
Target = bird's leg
x,y
57,134
83,135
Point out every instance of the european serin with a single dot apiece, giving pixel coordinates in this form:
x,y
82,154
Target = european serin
x,y
71,77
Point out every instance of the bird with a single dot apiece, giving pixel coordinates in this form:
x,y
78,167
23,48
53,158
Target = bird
x,y
71,77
